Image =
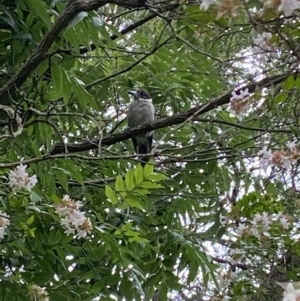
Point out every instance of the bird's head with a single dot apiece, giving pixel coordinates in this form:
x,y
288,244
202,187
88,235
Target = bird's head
x,y
140,95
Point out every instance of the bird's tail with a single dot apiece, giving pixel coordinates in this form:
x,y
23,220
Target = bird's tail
x,y
143,149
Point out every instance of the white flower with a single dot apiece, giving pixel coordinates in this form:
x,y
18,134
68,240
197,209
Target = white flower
x,y
257,218
223,281
19,178
81,234
290,293
288,7
233,275
291,145
38,293
286,162
284,222
265,220
66,198
255,232
205,4
265,153
241,229
263,45
235,259
243,94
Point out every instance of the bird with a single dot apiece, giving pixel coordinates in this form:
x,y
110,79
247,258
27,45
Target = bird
x,y
140,111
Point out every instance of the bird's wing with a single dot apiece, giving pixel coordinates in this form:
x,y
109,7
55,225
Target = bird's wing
x,y
140,112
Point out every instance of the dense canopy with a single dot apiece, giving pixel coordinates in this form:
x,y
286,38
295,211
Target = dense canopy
x,y
215,213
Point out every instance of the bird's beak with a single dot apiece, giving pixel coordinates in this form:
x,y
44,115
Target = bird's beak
x,y
133,93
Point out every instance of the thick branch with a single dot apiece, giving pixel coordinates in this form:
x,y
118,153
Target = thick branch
x,y
168,121
39,54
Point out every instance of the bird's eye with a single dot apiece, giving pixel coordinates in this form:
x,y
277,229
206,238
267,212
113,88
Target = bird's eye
x,y
143,94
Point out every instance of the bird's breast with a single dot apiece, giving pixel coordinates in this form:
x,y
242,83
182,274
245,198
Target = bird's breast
x,y
140,112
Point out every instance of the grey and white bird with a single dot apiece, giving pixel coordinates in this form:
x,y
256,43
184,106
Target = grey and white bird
x,y
140,111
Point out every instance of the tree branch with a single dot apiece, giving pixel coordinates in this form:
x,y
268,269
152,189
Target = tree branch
x,y
40,52
168,121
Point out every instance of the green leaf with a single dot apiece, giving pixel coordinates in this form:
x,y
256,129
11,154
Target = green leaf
x,y
148,168
79,17
62,179
40,10
90,274
97,21
150,185
85,97
66,87
129,180
120,186
139,239
139,174
126,226
289,83
131,233
30,220
111,195
157,177
56,75
134,202
75,174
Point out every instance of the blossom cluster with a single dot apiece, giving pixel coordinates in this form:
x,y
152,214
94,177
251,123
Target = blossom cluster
x,y
4,223
19,178
263,46
286,6
261,224
72,219
283,158
38,293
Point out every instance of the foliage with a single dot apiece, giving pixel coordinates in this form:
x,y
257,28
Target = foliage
x,y
203,212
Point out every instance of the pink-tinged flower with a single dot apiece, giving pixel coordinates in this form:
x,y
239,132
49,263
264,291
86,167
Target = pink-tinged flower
x,y
4,223
19,178
73,221
290,293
